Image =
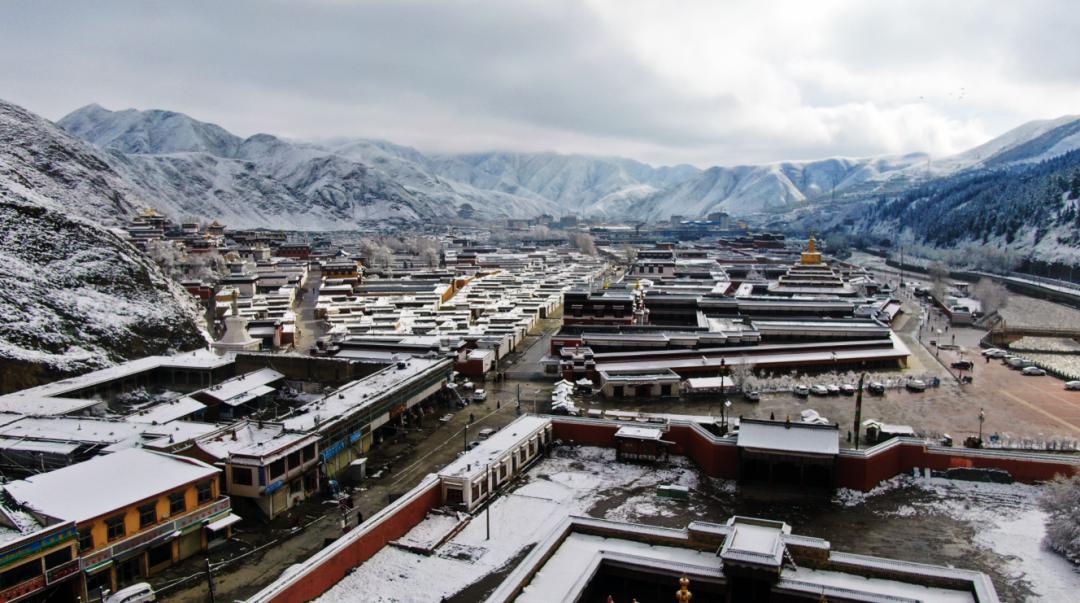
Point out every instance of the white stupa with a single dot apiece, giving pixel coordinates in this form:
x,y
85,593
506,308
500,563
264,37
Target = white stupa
x,y
236,338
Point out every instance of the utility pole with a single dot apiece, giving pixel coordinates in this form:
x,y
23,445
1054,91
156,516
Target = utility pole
x,y
210,581
465,446
487,511
858,409
901,266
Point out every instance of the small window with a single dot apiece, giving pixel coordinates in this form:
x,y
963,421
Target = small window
x,y
277,468
58,557
147,515
241,476
116,529
309,452
294,460
177,503
86,540
206,491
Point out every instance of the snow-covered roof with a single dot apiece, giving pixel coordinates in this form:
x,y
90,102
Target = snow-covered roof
x,y
252,439
360,394
493,448
754,542
793,437
106,484
243,387
50,398
167,411
639,433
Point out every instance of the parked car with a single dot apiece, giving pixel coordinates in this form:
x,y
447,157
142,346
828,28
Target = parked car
x,y
876,387
474,444
1072,385
847,389
819,390
479,396
833,389
752,396
994,353
964,365
486,433
1033,371
1018,363
136,593
916,385
801,391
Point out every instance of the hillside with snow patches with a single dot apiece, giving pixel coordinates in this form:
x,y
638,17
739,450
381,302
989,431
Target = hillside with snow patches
x,y
188,167
76,295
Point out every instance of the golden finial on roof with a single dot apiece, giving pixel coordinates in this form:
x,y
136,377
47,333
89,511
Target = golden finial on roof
x,y
684,595
811,255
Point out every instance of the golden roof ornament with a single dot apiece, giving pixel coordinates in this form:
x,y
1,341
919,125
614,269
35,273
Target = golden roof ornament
x,y
684,595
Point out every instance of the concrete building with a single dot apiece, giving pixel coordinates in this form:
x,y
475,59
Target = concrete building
x,y
136,512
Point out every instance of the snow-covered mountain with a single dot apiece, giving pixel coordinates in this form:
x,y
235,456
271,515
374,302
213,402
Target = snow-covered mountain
x,y
193,168
76,296
754,188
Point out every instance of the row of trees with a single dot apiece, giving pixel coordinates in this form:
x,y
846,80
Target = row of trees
x,y
998,204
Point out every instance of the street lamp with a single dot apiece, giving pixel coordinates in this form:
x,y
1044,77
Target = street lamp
x,y
723,416
982,419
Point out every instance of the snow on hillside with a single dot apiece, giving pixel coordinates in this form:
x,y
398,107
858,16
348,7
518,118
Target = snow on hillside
x,y
76,296
193,168
334,183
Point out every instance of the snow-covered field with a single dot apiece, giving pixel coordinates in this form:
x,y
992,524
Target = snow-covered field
x,y
1006,520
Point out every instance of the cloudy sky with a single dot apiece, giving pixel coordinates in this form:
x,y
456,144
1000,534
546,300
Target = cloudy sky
x,y
706,82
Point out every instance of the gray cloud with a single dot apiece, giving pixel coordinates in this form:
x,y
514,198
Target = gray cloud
x,y
704,83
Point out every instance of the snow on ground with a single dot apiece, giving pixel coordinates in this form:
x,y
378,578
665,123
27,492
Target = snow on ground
x,y
1006,520
433,529
569,482
846,497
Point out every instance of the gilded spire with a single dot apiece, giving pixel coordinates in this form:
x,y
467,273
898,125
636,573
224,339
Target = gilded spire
x,y
684,595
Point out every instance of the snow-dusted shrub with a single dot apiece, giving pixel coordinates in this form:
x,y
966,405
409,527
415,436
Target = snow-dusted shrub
x,y
1061,501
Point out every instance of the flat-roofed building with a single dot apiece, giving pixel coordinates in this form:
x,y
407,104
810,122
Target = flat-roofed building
x,y
136,511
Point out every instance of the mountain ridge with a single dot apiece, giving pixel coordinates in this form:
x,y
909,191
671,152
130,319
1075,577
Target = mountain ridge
x,y
340,181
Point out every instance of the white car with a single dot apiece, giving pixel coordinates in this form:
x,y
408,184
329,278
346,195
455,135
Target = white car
x,y
847,389
136,593
833,389
1072,385
1033,371
994,353
801,391
916,385
819,390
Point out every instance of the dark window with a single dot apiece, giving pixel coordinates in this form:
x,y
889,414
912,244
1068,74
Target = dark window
x,y
59,557
241,476
206,491
296,486
86,540
277,468
665,390
147,515
309,452
20,574
294,460
159,555
177,503
116,527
